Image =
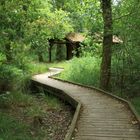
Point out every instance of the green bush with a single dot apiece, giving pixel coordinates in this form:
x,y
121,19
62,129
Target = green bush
x,y
126,71
12,78
91,47
83,70
20,55
36,68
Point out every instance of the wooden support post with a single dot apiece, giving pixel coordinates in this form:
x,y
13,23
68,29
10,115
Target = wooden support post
x,y
50,54
69,50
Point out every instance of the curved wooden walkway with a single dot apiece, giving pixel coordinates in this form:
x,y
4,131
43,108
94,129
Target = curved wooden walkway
x,y
102,117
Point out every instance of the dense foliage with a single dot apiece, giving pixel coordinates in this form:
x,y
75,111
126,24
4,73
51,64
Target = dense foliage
x,y
34,33
27,26
125,70
13,47
125,65
81,70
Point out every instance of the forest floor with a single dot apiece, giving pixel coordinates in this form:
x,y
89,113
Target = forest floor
x,y
30,117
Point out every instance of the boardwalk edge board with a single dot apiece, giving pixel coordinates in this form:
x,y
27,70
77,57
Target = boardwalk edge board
x,y
73,123
64,96
129,105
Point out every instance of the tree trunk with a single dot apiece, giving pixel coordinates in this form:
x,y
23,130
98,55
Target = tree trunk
x,y
107,45
69,50
50,53
40,57
59,52
77,46
51,43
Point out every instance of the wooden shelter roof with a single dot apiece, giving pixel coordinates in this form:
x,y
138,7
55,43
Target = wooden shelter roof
x,y
116,39
75,37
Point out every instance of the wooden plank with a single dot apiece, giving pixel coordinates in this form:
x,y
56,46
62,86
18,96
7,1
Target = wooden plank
x,y
91,130
102,138
109,135
103,116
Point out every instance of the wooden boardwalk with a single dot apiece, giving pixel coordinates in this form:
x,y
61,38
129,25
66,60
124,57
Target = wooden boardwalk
x,y
102,117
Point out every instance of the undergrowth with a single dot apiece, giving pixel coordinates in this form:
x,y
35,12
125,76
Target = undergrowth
x,y
136,102
13,129
15,98
18,112
37,68
83,70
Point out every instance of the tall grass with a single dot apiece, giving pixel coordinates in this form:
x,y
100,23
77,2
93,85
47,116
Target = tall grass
x,y
15,98
37,68
83,70
12,129
136,102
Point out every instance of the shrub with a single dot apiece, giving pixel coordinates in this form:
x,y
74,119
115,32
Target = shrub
x,y
83,70
12,78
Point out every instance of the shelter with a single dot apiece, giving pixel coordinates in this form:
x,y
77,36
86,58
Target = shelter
x,y
72,42
99,38
116,40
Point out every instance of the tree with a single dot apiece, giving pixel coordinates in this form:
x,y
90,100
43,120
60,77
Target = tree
x,y
125,57
107,45
49,25
13,47
85,14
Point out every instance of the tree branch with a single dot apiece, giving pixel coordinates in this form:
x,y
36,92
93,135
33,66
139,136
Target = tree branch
x,y
126,15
